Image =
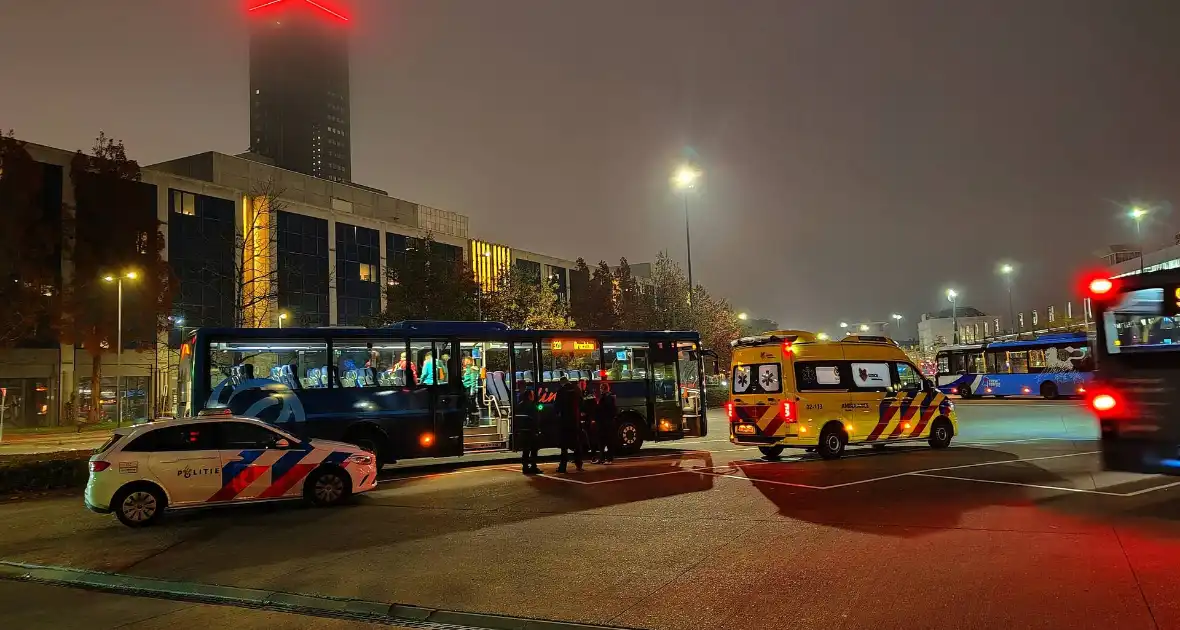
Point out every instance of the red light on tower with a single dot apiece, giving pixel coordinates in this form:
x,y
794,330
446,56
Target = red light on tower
x,y
261,5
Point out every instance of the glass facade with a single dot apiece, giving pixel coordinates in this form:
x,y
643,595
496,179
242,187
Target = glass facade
x,y
488,261
358,273
303,269
201,243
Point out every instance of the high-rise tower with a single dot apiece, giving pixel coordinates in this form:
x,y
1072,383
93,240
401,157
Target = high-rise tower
x,y
299,105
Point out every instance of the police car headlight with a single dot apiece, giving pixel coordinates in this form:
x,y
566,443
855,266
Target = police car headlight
x,y
361,459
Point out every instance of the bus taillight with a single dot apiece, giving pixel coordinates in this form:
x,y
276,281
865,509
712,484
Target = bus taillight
x,y
1104,403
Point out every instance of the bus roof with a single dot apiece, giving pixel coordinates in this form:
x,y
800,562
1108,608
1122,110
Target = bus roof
x,y
1040,340
961,347
432,329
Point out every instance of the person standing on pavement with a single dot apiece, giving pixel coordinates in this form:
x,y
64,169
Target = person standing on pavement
x,y
589,403
527,428
569,405
604,420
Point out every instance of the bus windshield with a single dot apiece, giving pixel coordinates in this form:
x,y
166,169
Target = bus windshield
x,y
1138,322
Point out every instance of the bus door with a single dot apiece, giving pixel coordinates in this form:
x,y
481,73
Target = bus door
x,y
525,376
667,415
448,405
692,389
485,405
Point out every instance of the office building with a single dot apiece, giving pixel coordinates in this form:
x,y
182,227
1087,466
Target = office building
x,y
327,246
299,88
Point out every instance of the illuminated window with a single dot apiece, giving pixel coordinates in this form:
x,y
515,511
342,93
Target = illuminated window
x,y
184,203
368,273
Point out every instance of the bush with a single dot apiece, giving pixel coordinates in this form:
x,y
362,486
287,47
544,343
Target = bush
x,y
715,396
49,471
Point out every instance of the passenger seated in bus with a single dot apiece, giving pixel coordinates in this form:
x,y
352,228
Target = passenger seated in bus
x,y
400,377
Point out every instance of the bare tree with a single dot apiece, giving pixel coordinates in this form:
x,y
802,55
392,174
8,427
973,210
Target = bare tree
x,y
237,268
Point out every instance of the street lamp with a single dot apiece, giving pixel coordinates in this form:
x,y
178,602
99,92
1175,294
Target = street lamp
x,y
1006,270
743,316
282,316
864,328
843,324
953,295
897,318
118,280
685,180
1138,213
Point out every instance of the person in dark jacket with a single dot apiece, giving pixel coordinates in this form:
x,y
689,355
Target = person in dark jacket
x,y
589,404
527,428
569,406
604,421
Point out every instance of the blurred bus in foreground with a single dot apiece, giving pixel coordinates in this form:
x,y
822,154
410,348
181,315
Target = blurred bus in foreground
x,y
1136,393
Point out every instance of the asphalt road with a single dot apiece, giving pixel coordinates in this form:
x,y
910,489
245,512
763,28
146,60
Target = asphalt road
x,y
1014,527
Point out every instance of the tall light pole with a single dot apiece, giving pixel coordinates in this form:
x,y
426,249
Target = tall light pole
x,y
897,318
685,180
1006,270
130,275
953,296
1138,213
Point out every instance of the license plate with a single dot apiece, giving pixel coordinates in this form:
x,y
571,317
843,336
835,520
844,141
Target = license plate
x,y
745,429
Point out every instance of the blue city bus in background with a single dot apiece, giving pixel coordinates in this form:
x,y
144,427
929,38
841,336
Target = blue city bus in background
x,y
1048,366
436,389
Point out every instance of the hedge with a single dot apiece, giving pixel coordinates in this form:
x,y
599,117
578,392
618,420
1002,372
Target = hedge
x,y
48,471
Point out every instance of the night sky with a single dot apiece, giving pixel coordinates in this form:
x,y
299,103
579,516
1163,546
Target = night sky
x,y
861,155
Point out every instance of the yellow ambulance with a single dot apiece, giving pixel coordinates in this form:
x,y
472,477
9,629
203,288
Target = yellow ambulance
x,y
789,388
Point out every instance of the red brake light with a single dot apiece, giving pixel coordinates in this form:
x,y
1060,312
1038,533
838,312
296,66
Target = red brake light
x,y
786,347
729,411
1104,402
1101,286
99,466
786,411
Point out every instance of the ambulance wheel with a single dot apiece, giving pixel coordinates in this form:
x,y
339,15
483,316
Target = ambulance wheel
x,y
771,452
138,505
327,486
831,442
941,433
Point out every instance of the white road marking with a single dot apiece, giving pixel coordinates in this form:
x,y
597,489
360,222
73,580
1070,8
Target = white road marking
x,y
1026,485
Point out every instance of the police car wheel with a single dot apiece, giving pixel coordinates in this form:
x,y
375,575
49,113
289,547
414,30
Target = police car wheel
x,y
771,452
327,487
831,443
941,434
138,506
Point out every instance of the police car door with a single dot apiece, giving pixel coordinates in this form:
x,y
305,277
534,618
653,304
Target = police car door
x,y
185,460
258,463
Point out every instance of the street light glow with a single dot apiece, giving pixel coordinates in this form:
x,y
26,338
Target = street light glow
x,y
1007,269
131,275
823,336
109,278
843,324
282,316
864,328
951,294
1137,213
686,177
743,316
896,316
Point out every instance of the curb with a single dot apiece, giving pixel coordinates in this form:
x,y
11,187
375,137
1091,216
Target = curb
x,y
296,603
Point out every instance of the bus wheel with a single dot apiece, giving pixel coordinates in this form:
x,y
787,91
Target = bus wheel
x,y
771,452
965,392
372,440
630,435
941,433
1049,390
831,442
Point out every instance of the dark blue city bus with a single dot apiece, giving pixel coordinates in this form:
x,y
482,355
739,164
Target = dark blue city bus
x,y
1136,394
1049,366
435,389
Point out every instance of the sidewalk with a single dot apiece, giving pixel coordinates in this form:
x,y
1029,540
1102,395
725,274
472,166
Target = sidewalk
x,y
50,443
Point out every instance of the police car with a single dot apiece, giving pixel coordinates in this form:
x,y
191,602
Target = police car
x,y
207,461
